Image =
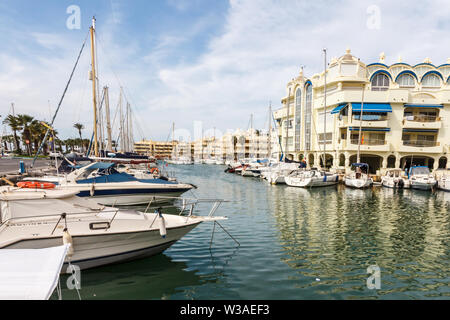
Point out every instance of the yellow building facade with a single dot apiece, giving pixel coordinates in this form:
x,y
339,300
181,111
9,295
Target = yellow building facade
x,y
396,115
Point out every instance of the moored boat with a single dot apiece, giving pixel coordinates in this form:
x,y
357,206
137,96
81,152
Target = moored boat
x,y
98,235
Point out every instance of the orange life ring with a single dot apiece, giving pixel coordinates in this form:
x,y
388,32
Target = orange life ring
x,y
35,185
154,170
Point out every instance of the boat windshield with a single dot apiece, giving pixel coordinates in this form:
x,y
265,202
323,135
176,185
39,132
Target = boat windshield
x,y
419,170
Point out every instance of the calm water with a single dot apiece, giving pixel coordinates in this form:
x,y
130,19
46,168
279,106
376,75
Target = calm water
x,y
295,244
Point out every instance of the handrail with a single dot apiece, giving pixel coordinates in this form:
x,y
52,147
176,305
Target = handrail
x,y
421,143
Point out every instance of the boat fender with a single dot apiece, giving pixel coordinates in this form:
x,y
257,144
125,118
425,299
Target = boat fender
x,y
92,191
162,224
67,239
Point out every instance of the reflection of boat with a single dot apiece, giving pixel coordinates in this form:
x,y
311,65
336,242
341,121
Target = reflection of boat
x,y
157,277
421,178
311,178
359,178
394,179
34,219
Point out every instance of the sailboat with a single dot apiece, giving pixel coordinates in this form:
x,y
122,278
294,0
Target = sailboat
x,y
359,178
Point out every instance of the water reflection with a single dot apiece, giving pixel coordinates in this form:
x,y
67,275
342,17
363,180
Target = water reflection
x,y
334,234
157,277
295,244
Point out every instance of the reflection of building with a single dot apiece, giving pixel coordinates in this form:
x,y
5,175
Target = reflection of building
x,y
154,148
405,114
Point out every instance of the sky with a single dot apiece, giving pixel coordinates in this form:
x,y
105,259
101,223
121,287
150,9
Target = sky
x,y
191,61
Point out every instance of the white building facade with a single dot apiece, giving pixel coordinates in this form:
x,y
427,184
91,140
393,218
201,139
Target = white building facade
x,y
395,115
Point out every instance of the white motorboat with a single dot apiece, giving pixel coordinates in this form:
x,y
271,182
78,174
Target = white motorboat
x,y
209,161
359,178
107,186
278,172
421,178
444,180
395,178
311,178
98,235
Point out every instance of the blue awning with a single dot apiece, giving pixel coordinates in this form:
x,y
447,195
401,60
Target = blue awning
x,y
423,105
372,107
420,130
339,108
369,129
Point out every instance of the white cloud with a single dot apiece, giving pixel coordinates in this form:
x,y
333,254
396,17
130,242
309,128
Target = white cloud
x,y
261,47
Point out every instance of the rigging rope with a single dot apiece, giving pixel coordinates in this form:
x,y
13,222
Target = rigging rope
x,y
59,104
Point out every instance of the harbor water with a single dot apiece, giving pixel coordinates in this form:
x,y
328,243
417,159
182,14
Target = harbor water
x,y
294,244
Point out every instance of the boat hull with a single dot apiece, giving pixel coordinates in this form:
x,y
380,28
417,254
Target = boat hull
x,y
92,251
358,183
311,183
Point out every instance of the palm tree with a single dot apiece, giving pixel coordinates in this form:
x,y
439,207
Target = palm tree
x,y
79,127
14,124
25,121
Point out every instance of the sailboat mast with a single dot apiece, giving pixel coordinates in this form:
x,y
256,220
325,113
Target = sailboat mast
x,y
269,147
173,139
325,109
108,119
360,125
94,89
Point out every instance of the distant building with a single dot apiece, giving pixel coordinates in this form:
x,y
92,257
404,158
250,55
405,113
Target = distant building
x,y
405,115
156,149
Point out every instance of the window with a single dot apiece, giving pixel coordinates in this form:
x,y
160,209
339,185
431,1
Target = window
x,y
298,119
328,138
308,110
380,82
406,80
431,80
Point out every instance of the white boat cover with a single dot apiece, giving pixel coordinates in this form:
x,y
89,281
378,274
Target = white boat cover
x,y
30,274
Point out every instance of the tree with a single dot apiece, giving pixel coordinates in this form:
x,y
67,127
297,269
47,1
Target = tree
x,y
14,124
25,122
79,127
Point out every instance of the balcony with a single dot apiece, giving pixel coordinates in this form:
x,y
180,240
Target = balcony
x,y
374,121
422,121
369,145
424,146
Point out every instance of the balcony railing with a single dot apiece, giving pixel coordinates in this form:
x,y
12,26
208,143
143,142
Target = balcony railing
x,y
369,142
370,117
422,118
420,143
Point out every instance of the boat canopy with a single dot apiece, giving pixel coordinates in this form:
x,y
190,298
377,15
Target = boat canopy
x,y
30,274
360,165
372,107
419,170
100,165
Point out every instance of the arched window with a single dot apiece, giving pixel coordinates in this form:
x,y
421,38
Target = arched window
x,y
406,80
380,82
431,80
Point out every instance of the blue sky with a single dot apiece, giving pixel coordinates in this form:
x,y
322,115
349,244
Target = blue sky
x,y
197,60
